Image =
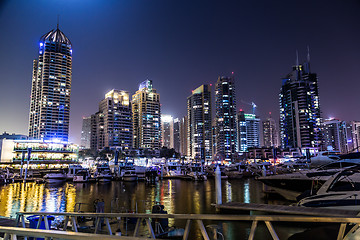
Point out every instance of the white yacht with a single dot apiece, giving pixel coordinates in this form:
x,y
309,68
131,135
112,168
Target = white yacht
x,y
340,191
55,177
103,173
81,176
129,175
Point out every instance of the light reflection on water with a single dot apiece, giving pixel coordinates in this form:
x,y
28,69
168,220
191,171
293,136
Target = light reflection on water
x,y
176,195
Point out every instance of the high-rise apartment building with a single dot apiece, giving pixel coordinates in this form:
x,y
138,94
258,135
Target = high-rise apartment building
x,y
146,117
184,137
300,120
112,124
167,131
270,133
97,139
336,135
177,135
51,88
248,131
225,128
355,131
85,133
199,123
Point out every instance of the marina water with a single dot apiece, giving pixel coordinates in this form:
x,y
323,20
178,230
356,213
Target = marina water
x,y
178,196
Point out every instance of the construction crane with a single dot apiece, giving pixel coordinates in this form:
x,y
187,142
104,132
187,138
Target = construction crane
x,y
252,104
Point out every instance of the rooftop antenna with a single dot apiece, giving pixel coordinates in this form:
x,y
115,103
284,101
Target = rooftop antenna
x,y
58,20
297,58
308,53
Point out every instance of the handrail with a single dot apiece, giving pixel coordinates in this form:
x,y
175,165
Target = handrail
x,y
17,231
220,217
198,218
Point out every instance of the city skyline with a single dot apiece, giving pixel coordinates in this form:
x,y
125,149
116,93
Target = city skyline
x,y
174,60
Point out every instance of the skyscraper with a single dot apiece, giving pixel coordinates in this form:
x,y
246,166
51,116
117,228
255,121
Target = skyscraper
x,y
270,133
199,123
167,131
336,135
300,119
85,133
112,124
146,117
97,139
248,131
225,128
355,132
117,119
51,88
184,137
177,135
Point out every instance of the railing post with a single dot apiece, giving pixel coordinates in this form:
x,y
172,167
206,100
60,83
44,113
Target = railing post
x,y
341,231
253,228
17,220
136,231
187,229
203,230
39,222
108,226
74,224
151,230
66,223
271,230
47,227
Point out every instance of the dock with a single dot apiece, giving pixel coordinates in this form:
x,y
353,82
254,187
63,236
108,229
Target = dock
x,y
283,209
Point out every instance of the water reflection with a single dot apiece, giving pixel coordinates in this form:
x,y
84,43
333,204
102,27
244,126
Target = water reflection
x,y
176,195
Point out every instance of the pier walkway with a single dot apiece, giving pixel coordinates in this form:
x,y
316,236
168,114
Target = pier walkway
x,y
284,209
72,218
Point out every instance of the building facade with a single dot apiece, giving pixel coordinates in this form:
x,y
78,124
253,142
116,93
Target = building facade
x,y
184,137
113,123
248,131
336,135
300,120
176,135
270,133
199,124
51,88
146,117
225,117
167,131
355,132
85,133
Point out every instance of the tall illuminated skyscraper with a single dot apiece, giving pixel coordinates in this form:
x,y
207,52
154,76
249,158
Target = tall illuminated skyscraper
x,y
270,133
167,131
225,128
86,133
300,120
199,123
51,88
146,117
248,131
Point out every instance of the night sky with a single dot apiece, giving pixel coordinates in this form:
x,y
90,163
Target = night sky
x,y
181,45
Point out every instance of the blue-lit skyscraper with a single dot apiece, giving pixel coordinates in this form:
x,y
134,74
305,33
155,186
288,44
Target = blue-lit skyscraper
x,y
300,120
225,104
51,88
248,131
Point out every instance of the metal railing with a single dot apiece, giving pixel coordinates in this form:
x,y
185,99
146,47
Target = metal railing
x,y
190,218
12,233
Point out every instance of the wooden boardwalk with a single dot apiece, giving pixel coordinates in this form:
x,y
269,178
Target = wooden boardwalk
x,y
283,209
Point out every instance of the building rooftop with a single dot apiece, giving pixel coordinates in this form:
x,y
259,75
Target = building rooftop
x,y
57,36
